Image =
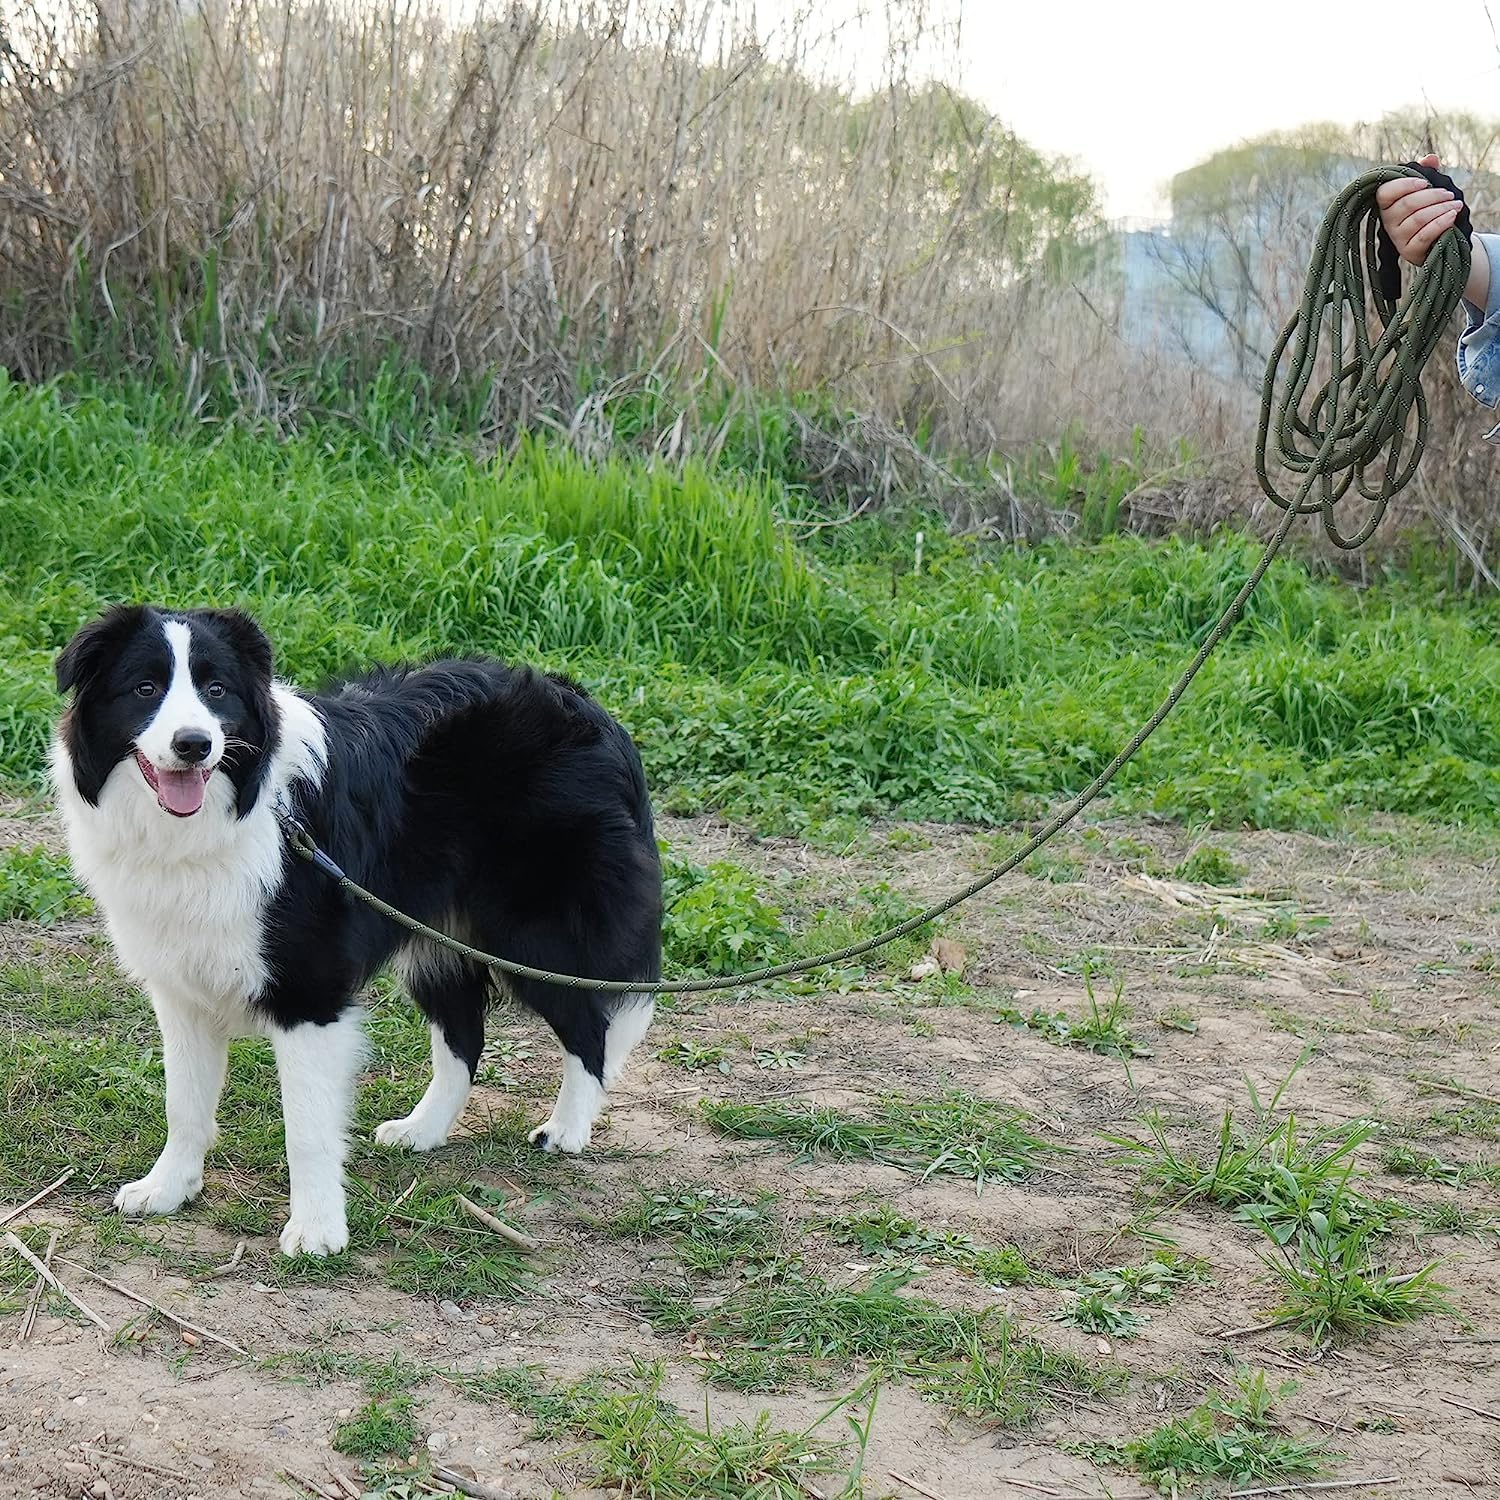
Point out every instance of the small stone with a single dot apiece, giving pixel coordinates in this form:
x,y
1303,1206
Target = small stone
x,y
344,1413
280,1429
453,1313
99,1490
480,1451
438,1443
643,1328
951,956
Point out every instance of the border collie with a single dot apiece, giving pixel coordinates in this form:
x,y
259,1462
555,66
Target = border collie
x,y
494,803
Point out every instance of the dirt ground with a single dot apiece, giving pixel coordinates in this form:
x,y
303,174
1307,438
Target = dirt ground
x,y
1374,950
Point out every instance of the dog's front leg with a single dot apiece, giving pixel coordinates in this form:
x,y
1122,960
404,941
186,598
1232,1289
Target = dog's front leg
x,y
317,1065
195,1048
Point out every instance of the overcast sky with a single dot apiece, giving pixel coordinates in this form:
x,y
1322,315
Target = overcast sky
x,y
1136,90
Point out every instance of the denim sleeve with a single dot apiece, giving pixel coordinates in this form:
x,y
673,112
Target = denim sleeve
x,y
1479,343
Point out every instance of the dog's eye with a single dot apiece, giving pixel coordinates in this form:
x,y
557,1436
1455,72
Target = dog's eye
x,y
215,690
145,690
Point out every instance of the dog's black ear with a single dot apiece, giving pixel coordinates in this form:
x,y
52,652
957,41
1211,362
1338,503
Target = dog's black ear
x,y
80,660
245,635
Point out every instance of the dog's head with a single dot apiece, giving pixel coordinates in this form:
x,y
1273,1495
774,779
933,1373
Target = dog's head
x,y
182,695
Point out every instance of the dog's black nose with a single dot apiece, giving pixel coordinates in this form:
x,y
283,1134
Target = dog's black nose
x,y
192,744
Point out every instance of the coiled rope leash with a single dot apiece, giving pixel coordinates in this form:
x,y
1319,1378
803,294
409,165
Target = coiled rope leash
x,y
1352,431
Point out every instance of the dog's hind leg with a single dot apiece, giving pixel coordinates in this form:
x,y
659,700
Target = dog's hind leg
x,y
452,994
598,1037
455,1058
570,1127
580,1021
629,1021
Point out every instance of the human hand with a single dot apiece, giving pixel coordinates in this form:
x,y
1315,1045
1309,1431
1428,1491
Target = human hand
x,y
1415,215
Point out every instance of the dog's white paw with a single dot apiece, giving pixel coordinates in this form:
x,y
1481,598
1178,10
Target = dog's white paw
x,y
413,1132
158,1193
314,1235
552,1136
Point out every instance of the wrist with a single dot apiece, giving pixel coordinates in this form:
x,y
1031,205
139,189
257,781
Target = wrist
x,y
1477,291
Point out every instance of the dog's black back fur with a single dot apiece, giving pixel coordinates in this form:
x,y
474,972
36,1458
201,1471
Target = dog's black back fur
x,y
493,802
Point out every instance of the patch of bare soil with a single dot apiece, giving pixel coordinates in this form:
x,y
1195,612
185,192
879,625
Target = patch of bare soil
x,y
1372,954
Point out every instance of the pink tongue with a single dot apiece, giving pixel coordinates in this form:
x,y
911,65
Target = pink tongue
x,y
180,792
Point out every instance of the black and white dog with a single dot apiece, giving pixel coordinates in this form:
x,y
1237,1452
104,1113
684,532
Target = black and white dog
x,y
494,803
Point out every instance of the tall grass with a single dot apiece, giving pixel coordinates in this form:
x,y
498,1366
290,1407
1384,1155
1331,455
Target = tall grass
x,y
622,221
786,681
552,208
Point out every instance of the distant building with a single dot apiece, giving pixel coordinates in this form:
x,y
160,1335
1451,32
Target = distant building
x,y
1160,313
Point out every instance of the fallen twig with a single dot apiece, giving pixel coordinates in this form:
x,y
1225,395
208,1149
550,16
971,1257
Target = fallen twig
x,y
229,1265
34,1302
474,1487
156,1307
497,1226
1478,1411
310,1485
347,1485
12,1214
20,1248
1237,1333
136,1463
1320,1484
1308,1416
922,1489
1459,1090
401,1197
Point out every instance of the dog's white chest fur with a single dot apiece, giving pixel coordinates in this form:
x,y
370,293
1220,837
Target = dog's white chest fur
x,y
185,900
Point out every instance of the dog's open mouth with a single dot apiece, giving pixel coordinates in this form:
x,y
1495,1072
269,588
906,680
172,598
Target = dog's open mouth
x,y
177,792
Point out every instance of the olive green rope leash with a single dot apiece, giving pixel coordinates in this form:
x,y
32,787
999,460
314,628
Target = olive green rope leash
x,y
1351,431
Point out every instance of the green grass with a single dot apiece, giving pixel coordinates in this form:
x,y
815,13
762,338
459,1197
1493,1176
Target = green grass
x,y
715,921
1101,1299
1210,865
1331,1286
1102,1028
787,1326
636,1441
1227,1440
385,1427
694,1056
1407,1161
1101,1312
711,1228
1271,1171
630,1435
878,1230
955,1135
36,886
1154,1280
791,684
